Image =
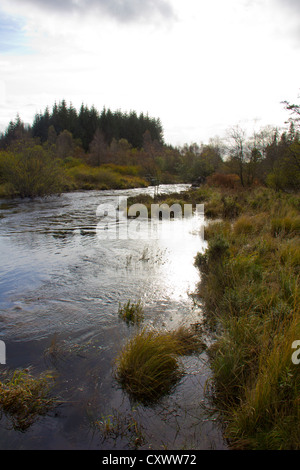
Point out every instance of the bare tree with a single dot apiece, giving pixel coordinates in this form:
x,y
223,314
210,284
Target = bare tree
x,y
237,148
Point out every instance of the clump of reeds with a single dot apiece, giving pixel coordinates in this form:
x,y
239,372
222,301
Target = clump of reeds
x,y
23,397
131,312
148,367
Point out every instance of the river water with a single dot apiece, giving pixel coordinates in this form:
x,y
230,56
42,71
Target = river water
x,y
61,284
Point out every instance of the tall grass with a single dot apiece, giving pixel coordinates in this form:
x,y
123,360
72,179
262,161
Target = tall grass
x,y
105,177
148,366
250,288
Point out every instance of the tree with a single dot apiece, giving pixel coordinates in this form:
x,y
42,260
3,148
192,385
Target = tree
x,y
152,150
257,150
295,112
98,148
236,137
64,144
15,131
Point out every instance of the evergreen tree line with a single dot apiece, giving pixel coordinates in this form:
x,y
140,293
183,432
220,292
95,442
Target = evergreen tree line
x,y
83,125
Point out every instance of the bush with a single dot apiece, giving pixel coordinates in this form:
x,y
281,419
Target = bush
x,y
221,180
30,172
231,208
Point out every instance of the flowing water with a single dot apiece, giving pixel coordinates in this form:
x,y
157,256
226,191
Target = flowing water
x,y
60,288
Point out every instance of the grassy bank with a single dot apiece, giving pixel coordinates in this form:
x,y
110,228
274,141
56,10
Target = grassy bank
x,y
109,176
250,289
38,175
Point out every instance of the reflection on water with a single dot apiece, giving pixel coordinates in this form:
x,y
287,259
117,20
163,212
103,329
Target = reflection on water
x,y
60,280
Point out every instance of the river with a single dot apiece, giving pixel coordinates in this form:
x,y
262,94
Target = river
x,y
60,288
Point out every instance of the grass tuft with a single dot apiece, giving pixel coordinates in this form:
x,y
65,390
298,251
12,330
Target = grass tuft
x,y
148,367
131,313
23,398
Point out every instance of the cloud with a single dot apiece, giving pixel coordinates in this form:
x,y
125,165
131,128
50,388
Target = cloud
x,y
289,11
291,4
123,11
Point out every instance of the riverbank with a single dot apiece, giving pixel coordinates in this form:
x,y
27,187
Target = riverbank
x,y
75,176
249,291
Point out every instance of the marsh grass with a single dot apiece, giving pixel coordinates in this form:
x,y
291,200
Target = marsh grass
x,y
131,312
107,176
118,425
148,367
24,398
188,340
250,289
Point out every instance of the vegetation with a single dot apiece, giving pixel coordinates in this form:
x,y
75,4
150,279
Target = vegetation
x,y
24,398
250,287
131,313
65,150
120,426
29,171
148,367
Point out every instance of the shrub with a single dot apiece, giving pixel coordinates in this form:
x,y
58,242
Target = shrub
x,y
221,180
31,172
231,208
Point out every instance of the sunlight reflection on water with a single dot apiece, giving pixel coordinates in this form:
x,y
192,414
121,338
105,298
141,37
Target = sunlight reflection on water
x,y
59,279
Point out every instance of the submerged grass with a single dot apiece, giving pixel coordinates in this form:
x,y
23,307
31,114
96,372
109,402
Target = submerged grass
x,y
24,398
131,312
119,425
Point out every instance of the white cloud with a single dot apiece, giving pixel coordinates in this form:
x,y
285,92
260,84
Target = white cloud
x,y
120,10
218,64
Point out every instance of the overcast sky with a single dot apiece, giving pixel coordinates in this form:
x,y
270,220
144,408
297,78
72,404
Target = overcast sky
x,y
201,66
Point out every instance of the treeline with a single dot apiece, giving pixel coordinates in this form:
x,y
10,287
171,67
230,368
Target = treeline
x,y
90,150
93,150
84,123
